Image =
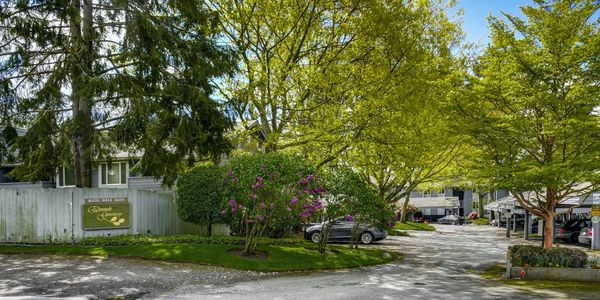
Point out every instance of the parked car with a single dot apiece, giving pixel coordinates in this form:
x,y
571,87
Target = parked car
x,y
341,231
418,217
585,236
451,219
569,230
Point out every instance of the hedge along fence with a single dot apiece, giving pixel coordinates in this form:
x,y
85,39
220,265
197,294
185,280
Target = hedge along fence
x,y
56,215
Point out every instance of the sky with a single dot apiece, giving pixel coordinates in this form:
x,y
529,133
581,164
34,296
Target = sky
x,y
475,13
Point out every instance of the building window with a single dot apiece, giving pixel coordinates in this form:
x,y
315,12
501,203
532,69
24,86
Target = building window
x,y
114,173
66,177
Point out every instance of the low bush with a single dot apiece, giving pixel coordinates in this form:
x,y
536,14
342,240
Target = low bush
x,y
535,256
129,240
394,232
481,221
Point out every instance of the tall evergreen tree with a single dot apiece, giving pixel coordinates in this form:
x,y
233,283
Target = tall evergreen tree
x,y
90,75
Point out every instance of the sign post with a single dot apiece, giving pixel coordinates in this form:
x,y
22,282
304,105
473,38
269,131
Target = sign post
x,y
596,221
106,213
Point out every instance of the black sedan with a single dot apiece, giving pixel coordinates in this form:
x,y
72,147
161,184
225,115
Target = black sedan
x,y
451,219
341,231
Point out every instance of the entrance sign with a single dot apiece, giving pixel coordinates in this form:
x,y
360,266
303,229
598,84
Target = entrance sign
x,y
595,210
596,199
106,213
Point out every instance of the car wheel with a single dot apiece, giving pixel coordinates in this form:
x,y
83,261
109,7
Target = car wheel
x,y
453,222
315,237
366,238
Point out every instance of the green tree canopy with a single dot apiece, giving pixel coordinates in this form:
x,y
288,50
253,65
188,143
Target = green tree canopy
x,y
86,77
199,196
532,106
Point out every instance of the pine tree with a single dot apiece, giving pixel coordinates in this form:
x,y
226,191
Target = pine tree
x,y
89,76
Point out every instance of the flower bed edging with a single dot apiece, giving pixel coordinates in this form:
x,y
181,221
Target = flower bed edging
x,y
569,274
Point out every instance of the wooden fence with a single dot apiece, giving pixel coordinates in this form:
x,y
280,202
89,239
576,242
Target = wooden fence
x,y
42,215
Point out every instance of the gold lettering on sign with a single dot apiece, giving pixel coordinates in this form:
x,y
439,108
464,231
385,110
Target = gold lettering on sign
x,y
106,214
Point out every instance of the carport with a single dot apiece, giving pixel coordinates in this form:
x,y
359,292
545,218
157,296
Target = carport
x,y
573,207
511,210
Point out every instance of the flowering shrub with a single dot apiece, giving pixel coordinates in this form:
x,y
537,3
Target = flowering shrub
x,y
473,215
266,191
411,209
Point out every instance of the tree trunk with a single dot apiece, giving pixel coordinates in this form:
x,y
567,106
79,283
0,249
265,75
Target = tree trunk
x,y
405,208
81,94
549,230
209,229
480,204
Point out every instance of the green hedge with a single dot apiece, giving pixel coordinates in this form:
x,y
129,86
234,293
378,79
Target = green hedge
x,y
481,221
128,240
535,256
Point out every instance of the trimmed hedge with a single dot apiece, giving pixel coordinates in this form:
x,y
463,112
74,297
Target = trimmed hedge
x,y
481,221
128,240
535,256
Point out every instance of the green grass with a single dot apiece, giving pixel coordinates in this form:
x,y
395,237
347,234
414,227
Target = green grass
x,y
495,273
281,257
414,226
395,232
481,221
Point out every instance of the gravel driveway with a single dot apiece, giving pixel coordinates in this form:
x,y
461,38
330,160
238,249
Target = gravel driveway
x,y
434,267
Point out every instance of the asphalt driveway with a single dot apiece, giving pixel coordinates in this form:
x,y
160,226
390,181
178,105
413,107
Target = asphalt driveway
x,y
435,266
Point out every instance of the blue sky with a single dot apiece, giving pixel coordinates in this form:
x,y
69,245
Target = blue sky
x,y
476,13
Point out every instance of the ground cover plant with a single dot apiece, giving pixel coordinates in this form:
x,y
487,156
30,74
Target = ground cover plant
x,y
292,257
535,256
481,221
414,226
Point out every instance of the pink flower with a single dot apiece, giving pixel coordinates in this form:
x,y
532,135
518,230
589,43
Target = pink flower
x,y
260,218
253,196
259,178
257,186
348,218
232,203
294,200
230,173
289,209
272,205
250,221
263,205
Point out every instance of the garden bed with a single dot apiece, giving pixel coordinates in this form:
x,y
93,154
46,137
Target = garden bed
x,y
280,257
536,263
569,274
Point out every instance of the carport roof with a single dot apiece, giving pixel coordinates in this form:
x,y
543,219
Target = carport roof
x,y
426,202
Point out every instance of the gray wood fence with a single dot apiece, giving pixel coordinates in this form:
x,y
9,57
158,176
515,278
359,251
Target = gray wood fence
x,y
41,215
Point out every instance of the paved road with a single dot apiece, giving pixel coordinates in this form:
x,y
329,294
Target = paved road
x,y
434,267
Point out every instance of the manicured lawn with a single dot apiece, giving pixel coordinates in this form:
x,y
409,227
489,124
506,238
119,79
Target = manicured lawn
x,y
395,232
414,226
280,257
495,272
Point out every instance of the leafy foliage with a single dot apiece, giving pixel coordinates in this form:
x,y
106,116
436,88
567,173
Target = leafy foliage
x,y
85,78
535,256
130,240
531,108
270,191
199,196
351,196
